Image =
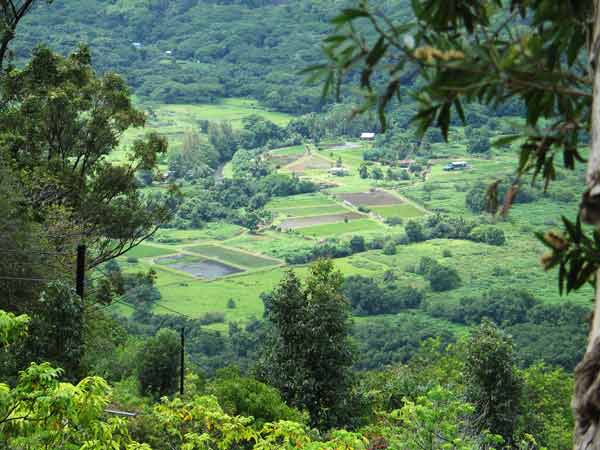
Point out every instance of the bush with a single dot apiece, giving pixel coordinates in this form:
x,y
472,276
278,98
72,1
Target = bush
x,y
414,231
394,221
132,259
389,249
488,234
357,244
443,278
364,209
447,253
475,199
231,303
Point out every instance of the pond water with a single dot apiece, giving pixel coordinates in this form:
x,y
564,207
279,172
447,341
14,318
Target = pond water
x,y
205,268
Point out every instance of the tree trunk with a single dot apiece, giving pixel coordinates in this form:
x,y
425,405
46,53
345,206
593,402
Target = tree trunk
x,y
586,400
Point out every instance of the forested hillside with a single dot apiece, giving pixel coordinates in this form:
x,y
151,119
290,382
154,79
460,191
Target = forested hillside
x,y
194,51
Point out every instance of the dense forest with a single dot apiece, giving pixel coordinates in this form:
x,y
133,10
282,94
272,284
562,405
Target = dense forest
x,y
307,224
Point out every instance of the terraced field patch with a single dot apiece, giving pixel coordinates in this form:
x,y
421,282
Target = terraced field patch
x,y
336,229
233,256
198,266
301,222
148,251
404,211
300,201
372,198
312,210
312,162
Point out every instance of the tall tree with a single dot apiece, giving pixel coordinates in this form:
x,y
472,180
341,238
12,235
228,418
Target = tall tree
x,y
59,124
493,385
543,54
309,356
159,364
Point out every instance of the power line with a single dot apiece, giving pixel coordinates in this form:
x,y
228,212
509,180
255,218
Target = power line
x,y
43,280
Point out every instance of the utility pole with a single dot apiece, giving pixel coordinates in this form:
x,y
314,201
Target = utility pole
x,y
182,362
80,274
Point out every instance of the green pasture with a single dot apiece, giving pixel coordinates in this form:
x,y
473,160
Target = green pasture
x,y
173,120
404,211
301,201
294,150
236,257
272,243
148,251
218,231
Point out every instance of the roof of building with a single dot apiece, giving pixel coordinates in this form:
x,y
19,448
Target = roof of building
x,y
367,135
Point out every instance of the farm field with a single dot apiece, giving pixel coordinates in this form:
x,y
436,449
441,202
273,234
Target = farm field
x,y
336,229
405,211
198,267
229,255
303,222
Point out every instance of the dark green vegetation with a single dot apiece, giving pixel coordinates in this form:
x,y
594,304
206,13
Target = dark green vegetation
x,y
332,292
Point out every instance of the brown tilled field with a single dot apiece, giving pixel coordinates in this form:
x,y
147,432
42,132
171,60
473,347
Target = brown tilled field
x,y
375,198
300,222
313,162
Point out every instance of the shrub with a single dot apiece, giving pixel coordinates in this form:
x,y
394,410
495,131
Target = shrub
x,y
488,234
394,221
132,259
414,231
389,249
231,303
447,253
357,244
443,278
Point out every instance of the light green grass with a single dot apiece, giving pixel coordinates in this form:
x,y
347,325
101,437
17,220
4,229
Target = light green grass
x,y
295,150
336,229
272,243
301,201
212,231
173,120
403,211
147,251
232,256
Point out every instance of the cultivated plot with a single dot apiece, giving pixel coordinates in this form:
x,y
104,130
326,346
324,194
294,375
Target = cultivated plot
x,y
233,256
404,211
312,162
301,222
198,267
341,228
147,251
372,198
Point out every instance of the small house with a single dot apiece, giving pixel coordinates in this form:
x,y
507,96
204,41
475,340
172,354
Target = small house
x,y
367,136
169,53
137,45
456,165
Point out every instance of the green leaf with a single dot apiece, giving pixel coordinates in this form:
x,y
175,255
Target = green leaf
x,y
348,15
